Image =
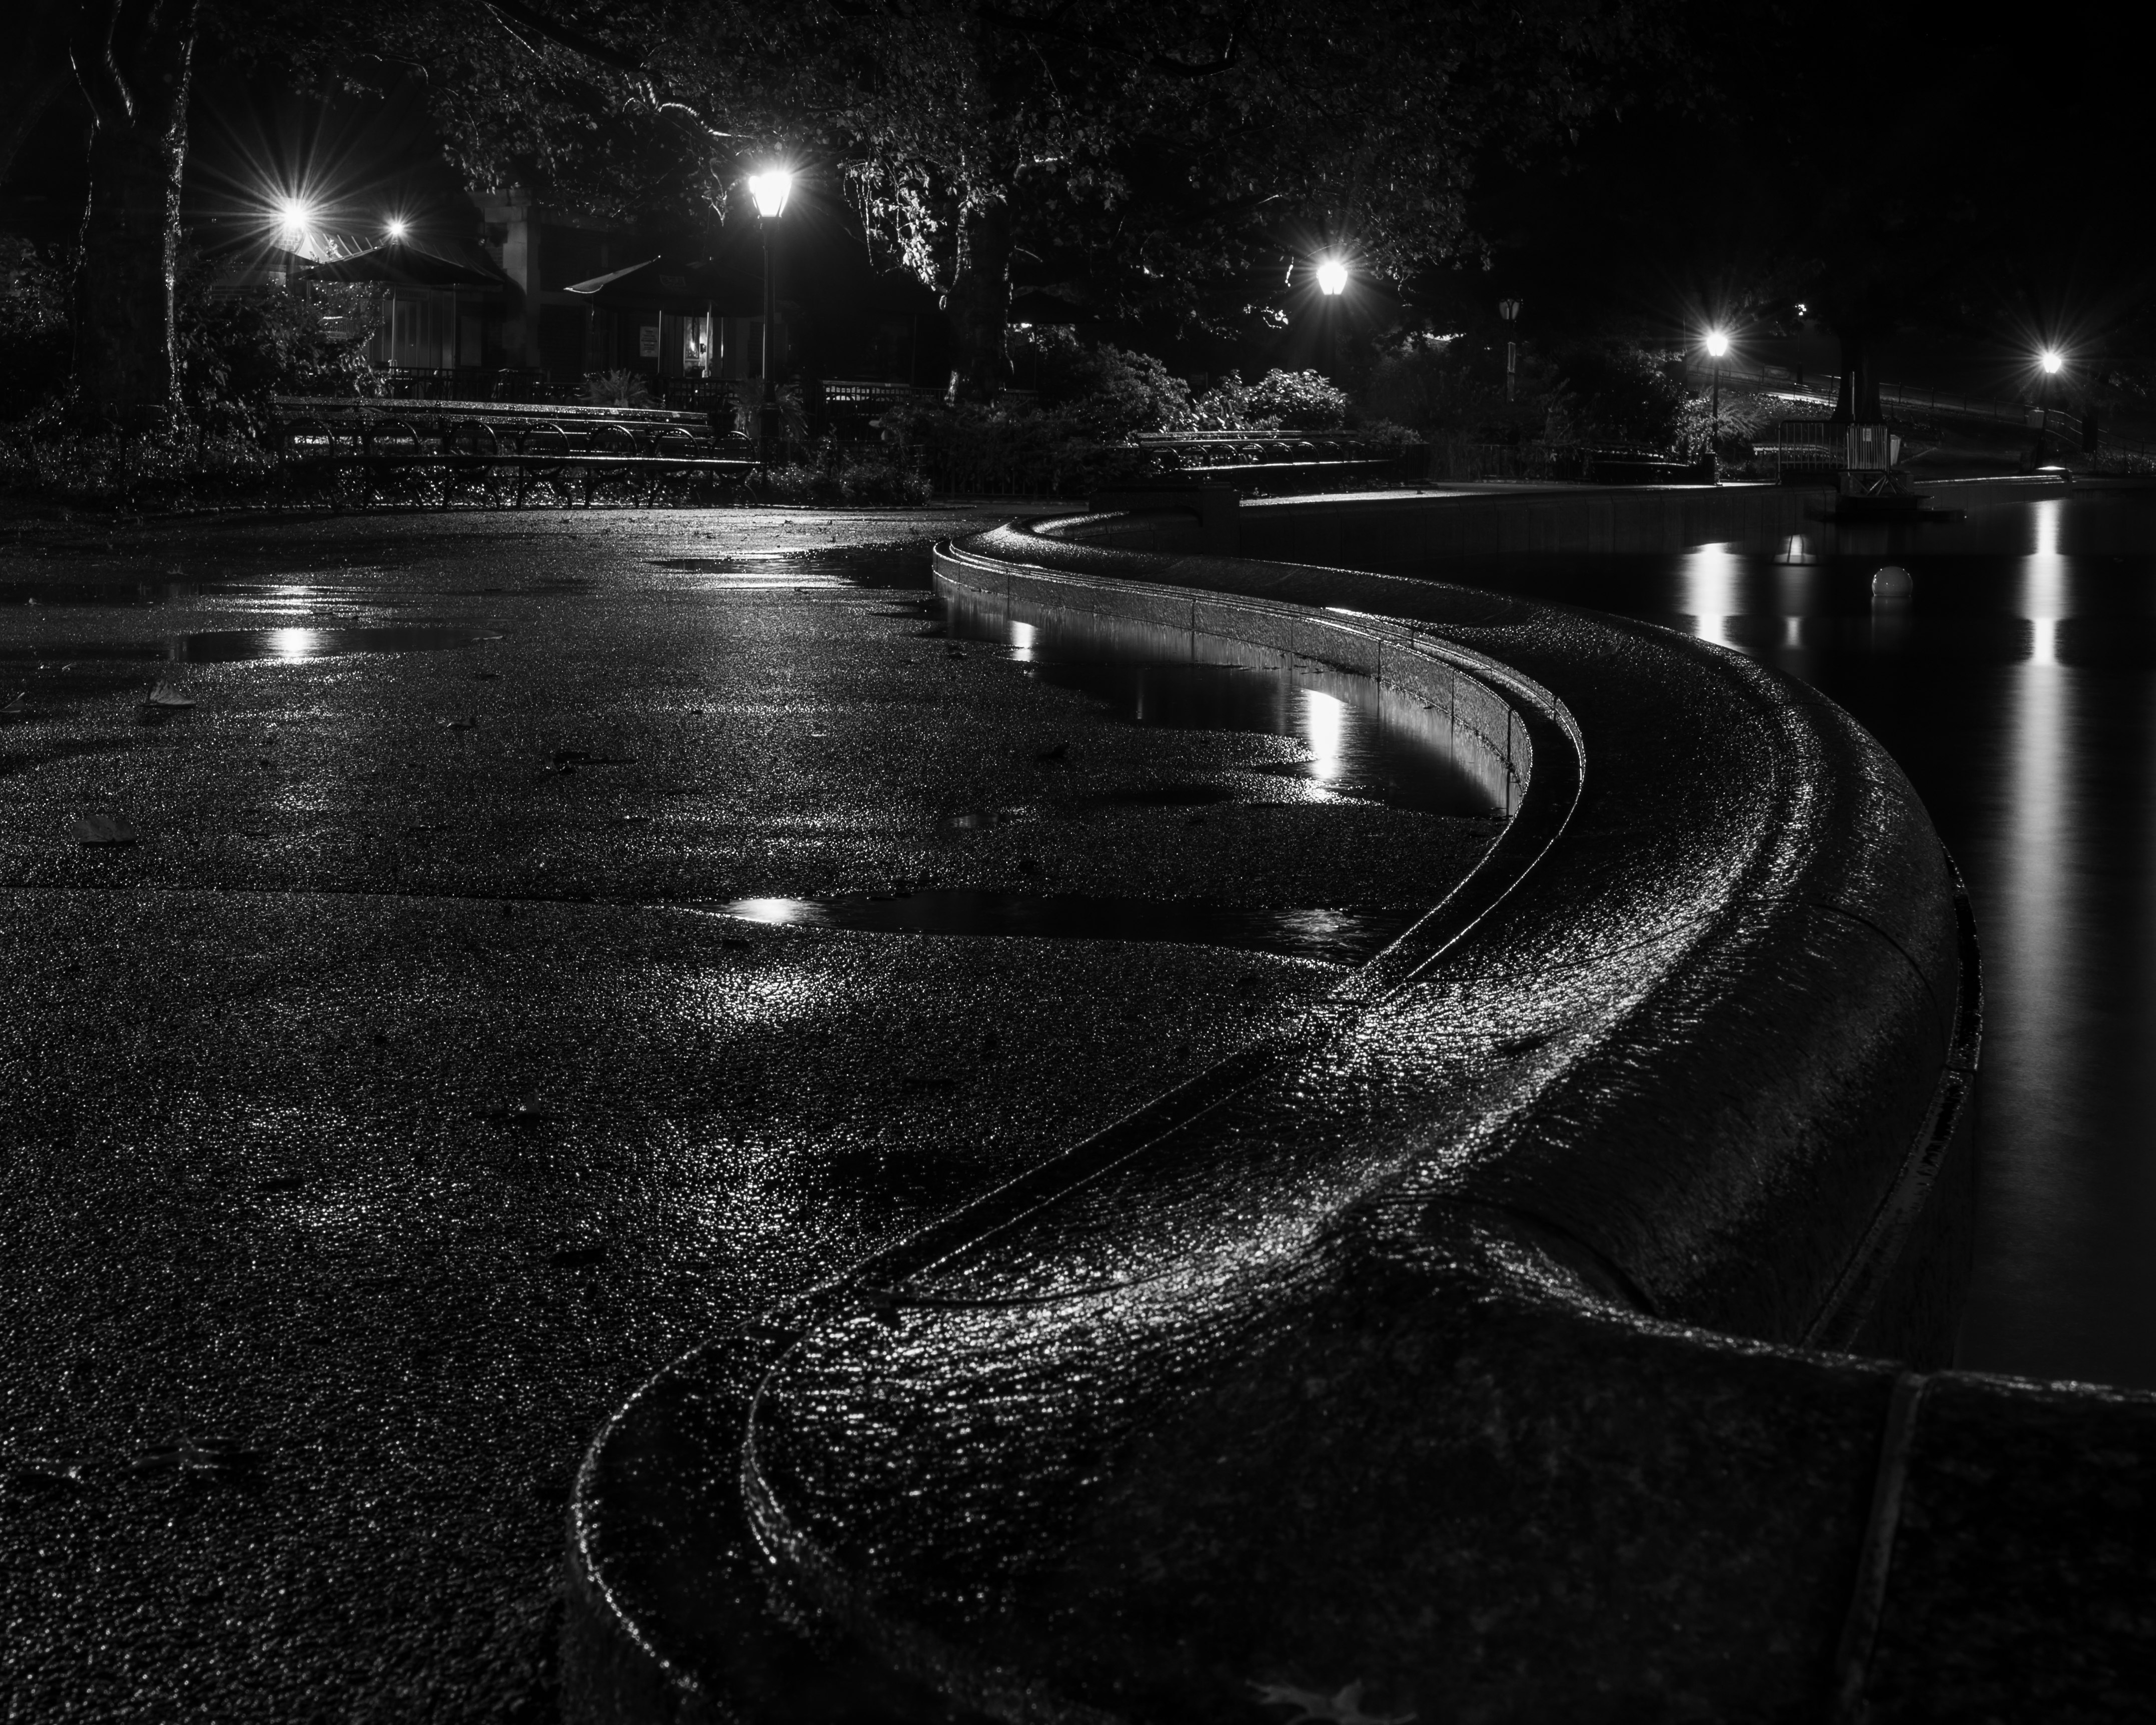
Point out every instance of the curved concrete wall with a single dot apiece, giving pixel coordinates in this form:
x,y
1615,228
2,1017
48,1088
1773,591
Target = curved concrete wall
x,y
1465,1340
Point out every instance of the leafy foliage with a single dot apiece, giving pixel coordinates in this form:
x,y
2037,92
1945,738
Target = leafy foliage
x,y
34,328
238,351
1299,401
617,388
1624,394
1450,386
1163,151
1112,392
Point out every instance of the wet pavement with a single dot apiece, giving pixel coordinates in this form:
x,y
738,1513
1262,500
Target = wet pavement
x,y
453,965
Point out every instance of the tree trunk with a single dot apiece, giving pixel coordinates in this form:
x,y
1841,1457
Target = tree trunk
x,y
133,59
1857,402
980,298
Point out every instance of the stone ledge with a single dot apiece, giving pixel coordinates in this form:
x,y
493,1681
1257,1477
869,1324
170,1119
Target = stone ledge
x,y
1453,1343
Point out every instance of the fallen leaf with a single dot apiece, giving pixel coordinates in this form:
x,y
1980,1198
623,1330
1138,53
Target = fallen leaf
x,y
163,696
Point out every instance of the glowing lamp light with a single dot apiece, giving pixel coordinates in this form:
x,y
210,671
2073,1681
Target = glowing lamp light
x,y
771,189
2053,360
1717,344
295,220
396,228
1331,275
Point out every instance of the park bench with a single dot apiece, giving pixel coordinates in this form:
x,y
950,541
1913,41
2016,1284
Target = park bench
x,y
324,441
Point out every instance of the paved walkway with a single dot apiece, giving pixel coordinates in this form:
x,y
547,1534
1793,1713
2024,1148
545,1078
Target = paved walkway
x,y
373,1123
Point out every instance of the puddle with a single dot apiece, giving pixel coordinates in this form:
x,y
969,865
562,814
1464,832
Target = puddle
x,y
1335,936
224,646
882,568
1359,740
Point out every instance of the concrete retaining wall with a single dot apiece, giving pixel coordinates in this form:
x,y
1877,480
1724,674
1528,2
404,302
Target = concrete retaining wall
x,y
1467,1341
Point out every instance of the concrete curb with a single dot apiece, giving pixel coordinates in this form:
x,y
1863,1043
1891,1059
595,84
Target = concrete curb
x,y
1462,1342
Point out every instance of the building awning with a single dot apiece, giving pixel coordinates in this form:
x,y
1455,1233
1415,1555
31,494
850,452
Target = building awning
x,y
666,283
400,263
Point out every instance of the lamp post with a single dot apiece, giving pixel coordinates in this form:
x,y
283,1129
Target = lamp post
x,y
770,189
1332,282
2053,361
1509,309
1717,345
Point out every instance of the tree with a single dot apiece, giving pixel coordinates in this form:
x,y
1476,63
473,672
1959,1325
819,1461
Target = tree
x,y
1160,145
133,59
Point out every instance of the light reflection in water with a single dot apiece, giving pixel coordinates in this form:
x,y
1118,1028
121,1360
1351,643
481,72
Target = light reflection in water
x,y
2016,685
1710,578
1321,723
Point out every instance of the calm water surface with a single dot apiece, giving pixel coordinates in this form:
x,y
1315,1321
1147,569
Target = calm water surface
x,y
2017,688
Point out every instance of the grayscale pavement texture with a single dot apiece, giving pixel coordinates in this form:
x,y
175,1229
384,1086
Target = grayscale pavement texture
x,y
401,1098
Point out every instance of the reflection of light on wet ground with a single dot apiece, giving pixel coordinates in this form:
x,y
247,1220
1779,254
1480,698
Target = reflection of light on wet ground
x,y
1333,936
1321,721
1364,741
292,643
777,910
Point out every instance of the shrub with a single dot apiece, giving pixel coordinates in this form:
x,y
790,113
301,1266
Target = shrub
x,y
832,473
48,455
236,351
1300,401
1743,415
1110,392
1446,387
34,325
1624,395
616,389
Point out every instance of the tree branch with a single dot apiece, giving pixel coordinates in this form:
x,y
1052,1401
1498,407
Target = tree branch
x,y
1011,22
540,25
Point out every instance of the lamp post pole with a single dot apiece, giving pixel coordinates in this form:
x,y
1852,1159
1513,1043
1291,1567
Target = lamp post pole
x,y
768,405
1332,283
770,189
1509,309
1717,345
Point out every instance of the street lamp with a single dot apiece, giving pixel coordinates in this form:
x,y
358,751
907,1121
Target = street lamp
x,y
1509,309
770,189
296,221
2052,362
397,230
1717,345
1331,277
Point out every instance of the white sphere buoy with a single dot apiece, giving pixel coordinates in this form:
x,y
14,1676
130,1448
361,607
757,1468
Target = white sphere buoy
x,y
1892,582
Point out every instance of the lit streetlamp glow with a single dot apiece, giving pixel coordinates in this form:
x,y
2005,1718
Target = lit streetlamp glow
x,y
1718,343
1332,276
397,228
296,221
771,189
2053,360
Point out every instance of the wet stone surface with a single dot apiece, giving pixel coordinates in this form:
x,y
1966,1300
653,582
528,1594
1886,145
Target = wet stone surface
x,y
387,1093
